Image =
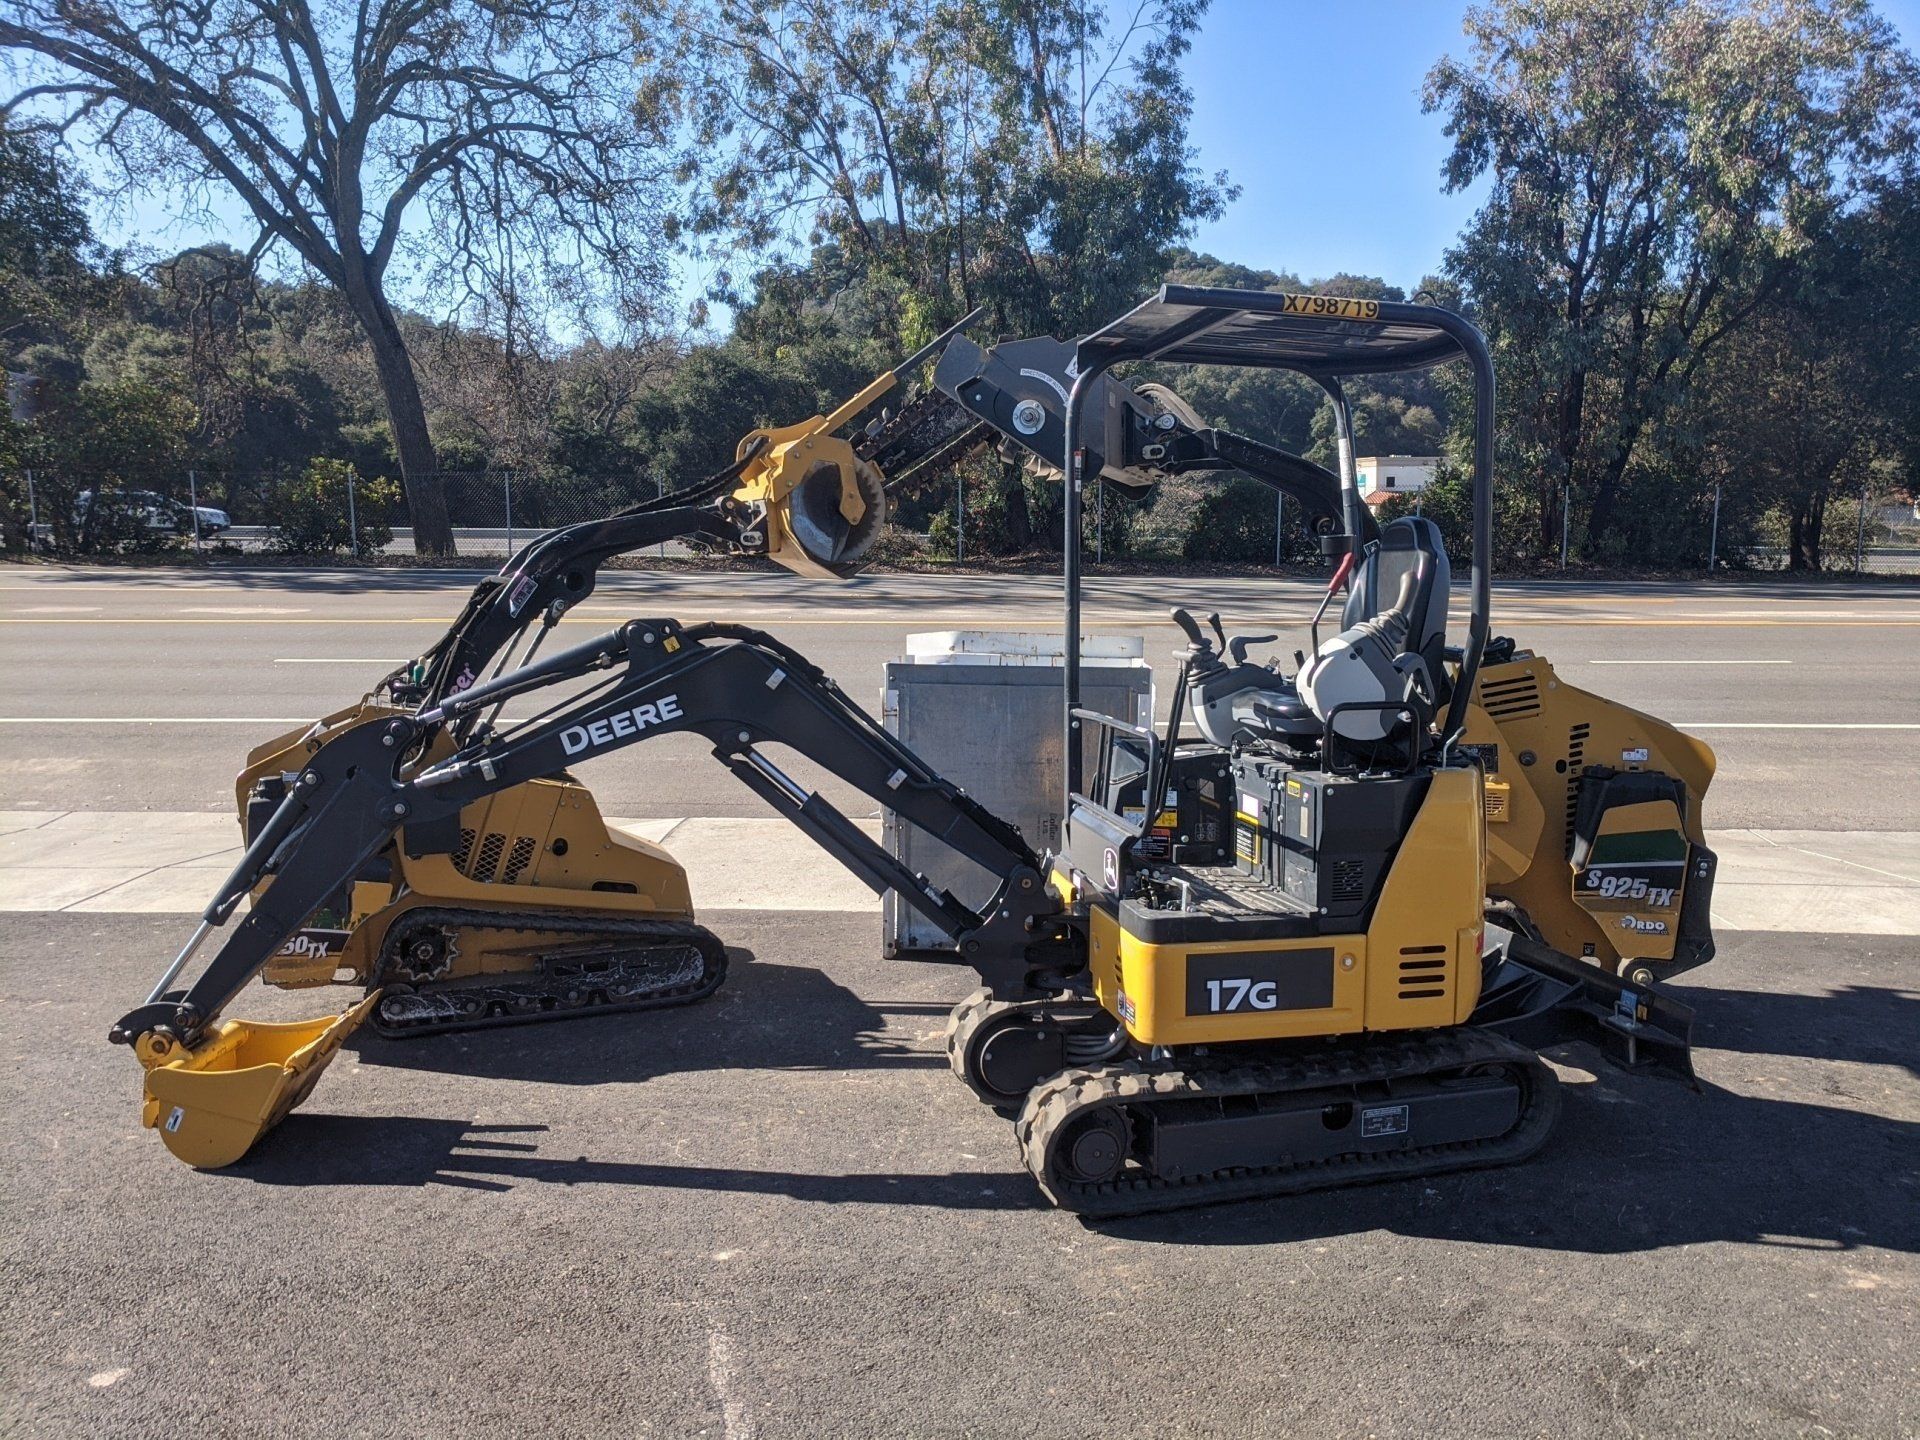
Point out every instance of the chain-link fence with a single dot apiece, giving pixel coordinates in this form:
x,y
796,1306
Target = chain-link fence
x,y
330,509
1874,530
1860,534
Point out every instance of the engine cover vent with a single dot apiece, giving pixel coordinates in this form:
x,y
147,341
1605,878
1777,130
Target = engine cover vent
x,y
1576,762
1423,972
1511,699
491,850
518,859
1349,881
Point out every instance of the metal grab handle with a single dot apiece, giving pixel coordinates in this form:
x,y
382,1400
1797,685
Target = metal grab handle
x,y
1408,708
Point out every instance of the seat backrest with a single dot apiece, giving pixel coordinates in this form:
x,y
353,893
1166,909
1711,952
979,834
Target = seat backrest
x,y
1405,544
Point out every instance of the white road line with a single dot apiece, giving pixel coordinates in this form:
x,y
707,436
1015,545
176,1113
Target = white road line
x,y
1823,614
1794,725
724,1376
331,660
1689,662
1857,865
245,609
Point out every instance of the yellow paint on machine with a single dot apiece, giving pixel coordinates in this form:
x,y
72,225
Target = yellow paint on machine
x,y
1416,967
530,851
1543,732
212,1102
1651,931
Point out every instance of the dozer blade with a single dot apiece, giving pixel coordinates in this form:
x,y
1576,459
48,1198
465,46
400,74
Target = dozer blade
x,y
212,1102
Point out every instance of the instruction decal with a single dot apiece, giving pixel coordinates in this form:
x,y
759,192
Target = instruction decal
x,y
522,592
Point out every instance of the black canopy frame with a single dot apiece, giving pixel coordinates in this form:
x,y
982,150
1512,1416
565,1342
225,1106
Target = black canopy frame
x,y
1324,338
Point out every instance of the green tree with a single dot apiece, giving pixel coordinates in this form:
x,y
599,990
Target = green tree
x,y
1661,170
487,144
94,440
43,231
313,515
1812,397
1011,153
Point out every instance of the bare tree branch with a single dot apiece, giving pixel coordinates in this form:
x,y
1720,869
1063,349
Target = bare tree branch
x,y
494,141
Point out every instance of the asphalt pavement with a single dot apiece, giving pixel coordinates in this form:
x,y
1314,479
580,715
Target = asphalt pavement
x,y
776,1214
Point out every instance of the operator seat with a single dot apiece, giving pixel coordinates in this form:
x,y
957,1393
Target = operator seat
x,y
1395,636
1258,701
1403,545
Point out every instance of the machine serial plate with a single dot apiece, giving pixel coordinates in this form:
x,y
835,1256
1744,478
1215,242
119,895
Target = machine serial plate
x,y
1383,1120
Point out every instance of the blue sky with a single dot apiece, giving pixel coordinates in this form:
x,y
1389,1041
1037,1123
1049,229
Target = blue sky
x,y
1313,109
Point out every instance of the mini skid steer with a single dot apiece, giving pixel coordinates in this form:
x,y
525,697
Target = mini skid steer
x,y
1317,941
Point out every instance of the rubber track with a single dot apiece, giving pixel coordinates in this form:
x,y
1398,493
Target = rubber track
x,y
980,1008
1075,1093
585,925
960,1022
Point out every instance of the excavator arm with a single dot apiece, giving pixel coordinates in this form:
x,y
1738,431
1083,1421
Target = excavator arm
x,y
796,495
739,688
1134,435
541,584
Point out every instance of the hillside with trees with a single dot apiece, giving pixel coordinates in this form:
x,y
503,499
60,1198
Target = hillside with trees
x,y
1698,262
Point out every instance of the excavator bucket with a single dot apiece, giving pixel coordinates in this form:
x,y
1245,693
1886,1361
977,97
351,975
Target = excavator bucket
x,y
212,1102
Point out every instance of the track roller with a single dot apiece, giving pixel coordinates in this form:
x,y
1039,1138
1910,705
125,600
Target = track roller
x,y
1001,1049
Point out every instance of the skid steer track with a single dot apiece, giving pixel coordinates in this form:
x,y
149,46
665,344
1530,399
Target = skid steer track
x,y
1118,1105
604,963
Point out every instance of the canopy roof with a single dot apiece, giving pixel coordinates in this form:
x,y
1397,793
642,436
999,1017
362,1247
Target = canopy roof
x,y
1319,334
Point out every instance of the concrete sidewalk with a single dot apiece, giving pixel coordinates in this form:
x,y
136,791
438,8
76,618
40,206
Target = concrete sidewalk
x,y
170,863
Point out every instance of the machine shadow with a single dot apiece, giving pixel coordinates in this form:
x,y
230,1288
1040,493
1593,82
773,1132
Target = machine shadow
x,y
765,1017
1635,1165
1638,1165
405,1151
1864,1024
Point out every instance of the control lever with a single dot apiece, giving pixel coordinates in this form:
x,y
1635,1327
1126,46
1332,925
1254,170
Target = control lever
x,y
1200,656
1237,647
1218,629
1194,635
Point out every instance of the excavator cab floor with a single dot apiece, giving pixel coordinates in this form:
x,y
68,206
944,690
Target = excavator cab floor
x,y
211,1103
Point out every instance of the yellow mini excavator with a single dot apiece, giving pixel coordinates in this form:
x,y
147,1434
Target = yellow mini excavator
x,y
1317,941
